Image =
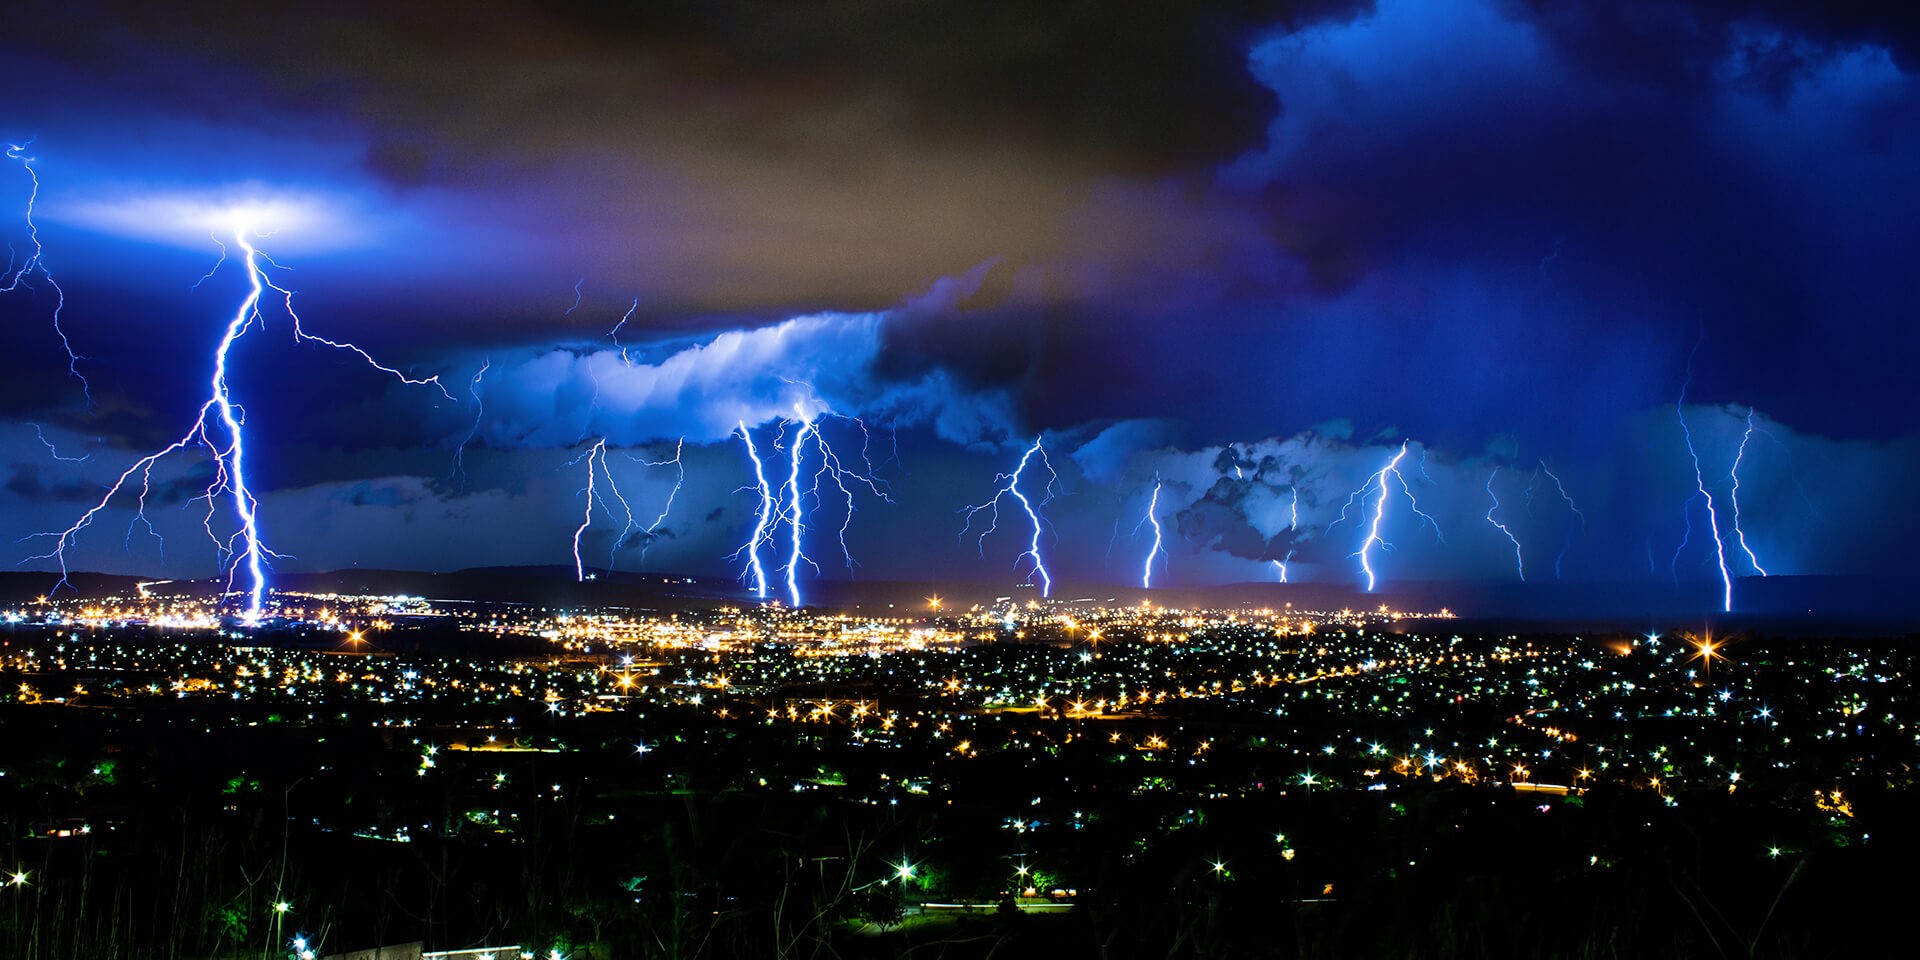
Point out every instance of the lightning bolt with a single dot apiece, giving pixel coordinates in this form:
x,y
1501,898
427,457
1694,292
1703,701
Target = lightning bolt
x,y
1733,496
1153,504
1011,488
586,519
596,460
1293,524
833,471
55,451
614,334
1520,562
1373,538
35,263
479,410
1700,484
600,470
1566,538
796,514
679,480
763,518
786,503
217,427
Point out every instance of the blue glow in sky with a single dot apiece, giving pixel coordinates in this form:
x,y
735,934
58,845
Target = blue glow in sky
x,y
1256,271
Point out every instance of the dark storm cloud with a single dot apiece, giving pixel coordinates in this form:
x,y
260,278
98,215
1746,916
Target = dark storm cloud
x,y
1520,186
711,156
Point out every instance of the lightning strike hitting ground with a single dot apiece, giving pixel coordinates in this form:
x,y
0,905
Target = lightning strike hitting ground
x,y
599,472
596,463
217,427
1012,488
1733,496
763,518
833,471
1519,561
1373,538
35,264
1153,504
1700,484
1293,525
786,503
796,516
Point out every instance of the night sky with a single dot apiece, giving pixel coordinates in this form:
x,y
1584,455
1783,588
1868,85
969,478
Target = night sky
x,y
1246,249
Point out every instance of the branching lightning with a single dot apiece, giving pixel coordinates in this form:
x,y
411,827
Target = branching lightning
x,y
1373,539
787,502
1153,505
796,514
599,473
1519,560
596,464
1011,487
15,277
218,428
679,480
1733,496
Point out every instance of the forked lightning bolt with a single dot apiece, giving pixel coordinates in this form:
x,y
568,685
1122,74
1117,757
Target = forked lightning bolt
x,y
596,464
1011,488
600,473
762,518
679,480
786,503
1700,484
15,277
1378,481
218,427
796,514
